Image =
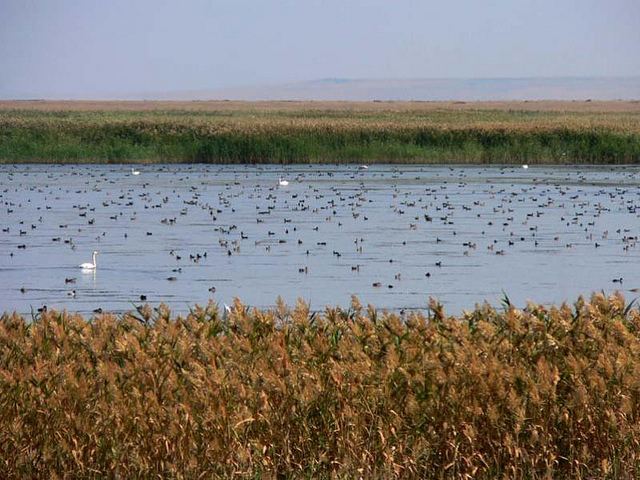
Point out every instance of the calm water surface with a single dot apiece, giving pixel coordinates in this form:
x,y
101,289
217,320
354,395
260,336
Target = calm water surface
x,y
392,235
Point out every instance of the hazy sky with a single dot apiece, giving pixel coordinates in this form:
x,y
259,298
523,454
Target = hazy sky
x,y
106,47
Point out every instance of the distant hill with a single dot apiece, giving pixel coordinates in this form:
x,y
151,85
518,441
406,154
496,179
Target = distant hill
x,y
567,88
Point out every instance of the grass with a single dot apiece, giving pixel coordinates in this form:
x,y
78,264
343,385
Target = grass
x,y
523,394
307,132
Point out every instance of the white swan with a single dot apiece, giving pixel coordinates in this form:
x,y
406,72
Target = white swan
x,y
283,183
90,266
525,166
135,172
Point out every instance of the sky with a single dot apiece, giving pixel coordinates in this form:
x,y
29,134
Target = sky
x,y
95,48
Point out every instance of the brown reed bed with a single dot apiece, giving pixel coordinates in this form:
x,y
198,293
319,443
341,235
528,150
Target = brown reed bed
x,y
319,132
543,392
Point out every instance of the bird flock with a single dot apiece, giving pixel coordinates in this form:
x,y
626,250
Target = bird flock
x,y
394,235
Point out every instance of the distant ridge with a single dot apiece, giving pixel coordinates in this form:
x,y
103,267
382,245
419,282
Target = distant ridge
x,y
484,89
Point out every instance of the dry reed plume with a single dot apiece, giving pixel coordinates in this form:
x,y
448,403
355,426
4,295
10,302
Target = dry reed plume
x,y
533,393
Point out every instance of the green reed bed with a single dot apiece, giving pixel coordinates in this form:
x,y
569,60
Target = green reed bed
x,y
295,136
540,392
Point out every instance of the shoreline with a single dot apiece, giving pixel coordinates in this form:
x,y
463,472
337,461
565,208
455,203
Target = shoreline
x,y
320,132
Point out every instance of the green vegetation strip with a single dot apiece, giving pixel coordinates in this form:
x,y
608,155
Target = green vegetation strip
x,y
544,392
299,136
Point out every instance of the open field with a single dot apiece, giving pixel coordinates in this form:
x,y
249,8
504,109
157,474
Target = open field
x,y
358,393
299,132
596,106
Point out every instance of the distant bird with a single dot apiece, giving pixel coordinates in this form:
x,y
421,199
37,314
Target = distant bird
x,y
525,166
90,266
283,183
135,172
364,167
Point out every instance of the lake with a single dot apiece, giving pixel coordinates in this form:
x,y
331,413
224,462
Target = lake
x,y
391,235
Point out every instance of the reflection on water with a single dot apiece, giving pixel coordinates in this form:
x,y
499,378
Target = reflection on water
x,y
392,235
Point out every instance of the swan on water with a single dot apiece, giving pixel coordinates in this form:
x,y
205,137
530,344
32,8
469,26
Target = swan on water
x,y
90,266
283,183
135,172
525,166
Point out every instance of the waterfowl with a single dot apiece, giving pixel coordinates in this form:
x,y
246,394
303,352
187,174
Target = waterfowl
x,y
90,266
